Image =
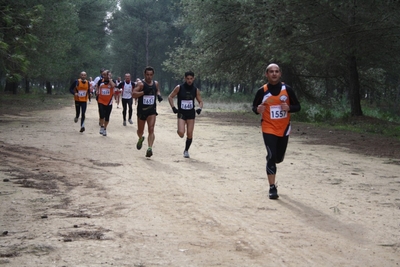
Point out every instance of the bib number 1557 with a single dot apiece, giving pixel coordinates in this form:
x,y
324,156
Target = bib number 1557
x,y
277,112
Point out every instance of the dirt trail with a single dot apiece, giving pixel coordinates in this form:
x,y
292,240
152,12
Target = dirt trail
x,y
77,199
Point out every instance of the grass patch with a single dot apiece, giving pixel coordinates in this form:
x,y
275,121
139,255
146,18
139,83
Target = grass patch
x,y
16,104
317,116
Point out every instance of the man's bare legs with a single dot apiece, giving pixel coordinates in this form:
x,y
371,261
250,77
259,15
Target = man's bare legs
x,y
151,122
189,133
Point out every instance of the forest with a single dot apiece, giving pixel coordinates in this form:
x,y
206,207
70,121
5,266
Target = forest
x,y
341,54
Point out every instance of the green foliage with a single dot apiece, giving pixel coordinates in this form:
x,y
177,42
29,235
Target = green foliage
x,y
17,22
315,41
142,32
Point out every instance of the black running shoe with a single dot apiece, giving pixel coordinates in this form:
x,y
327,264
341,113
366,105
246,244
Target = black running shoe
x,y
273,192
82,129
149,153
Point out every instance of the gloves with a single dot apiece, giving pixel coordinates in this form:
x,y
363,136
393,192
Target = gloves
x,y
175,110
198,111
159,97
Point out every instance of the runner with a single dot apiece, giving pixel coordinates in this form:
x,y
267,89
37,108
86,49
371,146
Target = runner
x,y
275,101
92,85
117,94
105,99
127,88
146,92
186,112
96,81
81,90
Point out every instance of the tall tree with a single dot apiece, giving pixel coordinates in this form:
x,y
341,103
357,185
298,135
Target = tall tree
x,y
55,35
142,31
17,23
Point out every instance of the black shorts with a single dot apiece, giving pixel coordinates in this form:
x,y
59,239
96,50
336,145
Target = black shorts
x,y
144,116
105,111
187,116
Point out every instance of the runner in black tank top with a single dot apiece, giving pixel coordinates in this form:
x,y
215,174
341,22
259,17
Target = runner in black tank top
x,y
147,91
186,112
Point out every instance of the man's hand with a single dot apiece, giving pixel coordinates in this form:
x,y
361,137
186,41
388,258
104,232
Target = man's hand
x,y
260,109
198,111
175,110
159,97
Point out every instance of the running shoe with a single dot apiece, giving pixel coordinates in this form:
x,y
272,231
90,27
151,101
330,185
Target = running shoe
x,y
124,123
149,152
130,121
75,120
82,129
273,192
140,143
104,132
101,130
186,154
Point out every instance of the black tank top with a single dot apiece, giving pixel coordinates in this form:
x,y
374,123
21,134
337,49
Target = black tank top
x,y
186,97
147,102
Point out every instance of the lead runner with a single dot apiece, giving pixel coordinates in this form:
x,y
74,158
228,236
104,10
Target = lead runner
x,y
275,101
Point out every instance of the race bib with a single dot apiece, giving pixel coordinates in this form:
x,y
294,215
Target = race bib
x,y
105,91
148,100
81,93
276,112
186,104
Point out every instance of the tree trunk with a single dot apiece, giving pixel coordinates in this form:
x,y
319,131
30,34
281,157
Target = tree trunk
x,y
27,87
231,89
330,90
147,44
48,88
11,87
354,90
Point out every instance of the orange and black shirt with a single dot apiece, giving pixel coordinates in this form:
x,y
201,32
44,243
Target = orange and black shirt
x,y
274,120
80,89
105,93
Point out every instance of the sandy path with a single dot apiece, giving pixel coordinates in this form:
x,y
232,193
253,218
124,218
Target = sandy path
x,y
108,205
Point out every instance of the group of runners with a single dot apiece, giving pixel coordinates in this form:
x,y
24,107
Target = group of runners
x,y
146,93
275,101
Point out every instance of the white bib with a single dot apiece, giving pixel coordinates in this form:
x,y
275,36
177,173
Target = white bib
x,y
186,104
148,100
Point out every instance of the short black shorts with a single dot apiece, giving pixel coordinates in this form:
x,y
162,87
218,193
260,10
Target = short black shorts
x,y
186,116
144,116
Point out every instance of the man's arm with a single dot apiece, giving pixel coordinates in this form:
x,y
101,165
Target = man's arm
x,y
257,100
138,90
72,87
294,102
171,98
199,99
159,97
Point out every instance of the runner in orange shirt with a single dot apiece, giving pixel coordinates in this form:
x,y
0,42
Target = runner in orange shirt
x,y
275,101
105,100
81,90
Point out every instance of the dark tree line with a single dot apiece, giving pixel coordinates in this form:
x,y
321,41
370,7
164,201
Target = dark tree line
x,y
327,49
